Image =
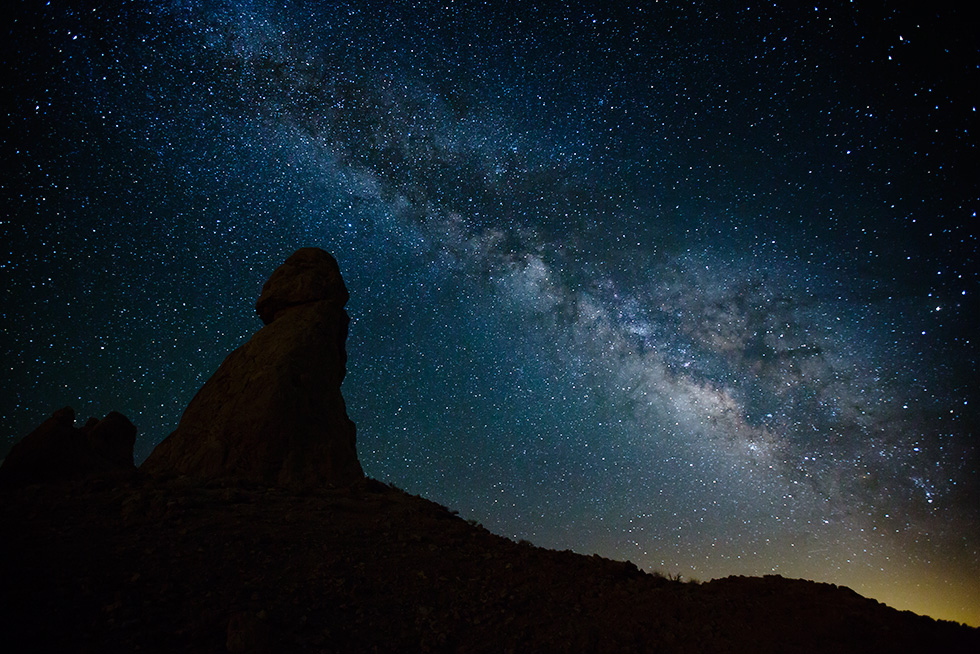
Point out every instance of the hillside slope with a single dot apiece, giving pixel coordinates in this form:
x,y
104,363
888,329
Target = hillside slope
x,y
158,565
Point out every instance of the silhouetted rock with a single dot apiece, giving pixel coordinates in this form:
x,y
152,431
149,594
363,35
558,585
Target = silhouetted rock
x,y
273,412
112,438
57,450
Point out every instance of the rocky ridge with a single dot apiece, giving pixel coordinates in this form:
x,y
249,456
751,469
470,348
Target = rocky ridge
x,y
168,565
57,450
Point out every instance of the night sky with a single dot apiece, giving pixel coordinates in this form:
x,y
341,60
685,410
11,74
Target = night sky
x,y
690,284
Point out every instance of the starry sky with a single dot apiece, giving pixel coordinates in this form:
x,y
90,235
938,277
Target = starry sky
x,y
693,284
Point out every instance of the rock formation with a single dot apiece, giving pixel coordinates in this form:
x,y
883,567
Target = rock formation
x,y
273,412
57,450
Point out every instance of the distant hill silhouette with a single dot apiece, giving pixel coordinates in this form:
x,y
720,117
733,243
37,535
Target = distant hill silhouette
x,y
252,529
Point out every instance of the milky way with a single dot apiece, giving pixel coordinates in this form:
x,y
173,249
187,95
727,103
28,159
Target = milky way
x,y
694,286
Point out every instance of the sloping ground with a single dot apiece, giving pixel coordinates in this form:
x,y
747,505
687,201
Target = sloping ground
x,y
162,566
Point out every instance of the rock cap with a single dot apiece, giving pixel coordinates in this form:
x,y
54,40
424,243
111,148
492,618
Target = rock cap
x,y
308,275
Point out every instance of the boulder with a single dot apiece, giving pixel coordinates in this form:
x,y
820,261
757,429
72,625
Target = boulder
x,y
112,438
273,412
309,275
58,451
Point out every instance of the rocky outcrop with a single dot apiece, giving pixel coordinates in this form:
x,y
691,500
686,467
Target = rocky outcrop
x,y
57,450
273,412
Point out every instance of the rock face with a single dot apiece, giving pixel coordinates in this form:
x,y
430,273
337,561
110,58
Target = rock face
x,y
273,412
57,450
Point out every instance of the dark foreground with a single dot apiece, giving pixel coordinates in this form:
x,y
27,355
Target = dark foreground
x,y
167,566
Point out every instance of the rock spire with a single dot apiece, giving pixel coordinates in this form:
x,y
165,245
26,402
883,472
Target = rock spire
x,y
273,411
